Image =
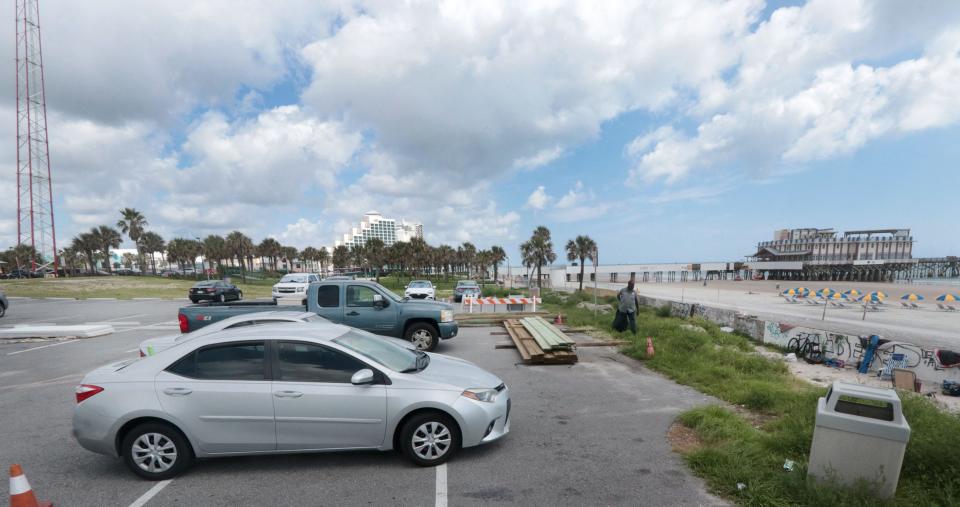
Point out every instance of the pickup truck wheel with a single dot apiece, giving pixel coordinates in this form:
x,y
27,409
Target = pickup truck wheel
x,y
3,310
424,336
223,298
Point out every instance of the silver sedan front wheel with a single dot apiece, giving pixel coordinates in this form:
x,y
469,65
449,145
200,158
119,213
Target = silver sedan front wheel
x,y
431,440
154,453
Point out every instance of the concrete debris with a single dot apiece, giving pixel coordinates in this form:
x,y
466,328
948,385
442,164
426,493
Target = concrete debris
x,y
604,309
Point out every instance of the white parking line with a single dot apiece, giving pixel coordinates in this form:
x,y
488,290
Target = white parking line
x,y
152,492
131,350
442,485
41,347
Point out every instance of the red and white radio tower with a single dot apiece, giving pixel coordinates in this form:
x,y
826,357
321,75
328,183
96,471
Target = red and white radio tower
x,y
34,190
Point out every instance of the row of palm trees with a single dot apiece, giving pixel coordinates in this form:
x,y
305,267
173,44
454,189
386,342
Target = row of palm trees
x,y
239,250
537,252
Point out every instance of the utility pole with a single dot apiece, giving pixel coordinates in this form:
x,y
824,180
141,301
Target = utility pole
x,y
35,224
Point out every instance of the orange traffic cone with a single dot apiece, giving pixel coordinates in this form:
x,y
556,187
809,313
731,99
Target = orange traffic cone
x,y
20,493
649,347
559,319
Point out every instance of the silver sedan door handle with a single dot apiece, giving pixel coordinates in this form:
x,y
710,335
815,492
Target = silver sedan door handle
x,y
177,391
287,394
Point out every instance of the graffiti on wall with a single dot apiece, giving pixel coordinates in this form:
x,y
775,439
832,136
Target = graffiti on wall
x,y
840,350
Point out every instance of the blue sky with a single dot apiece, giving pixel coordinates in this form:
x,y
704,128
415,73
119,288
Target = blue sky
x,y
667,131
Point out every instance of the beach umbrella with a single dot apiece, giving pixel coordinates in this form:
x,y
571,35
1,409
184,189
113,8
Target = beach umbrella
x,y
853,293
873,297
912,297
836,296
789,292
825,293
948,297
802,291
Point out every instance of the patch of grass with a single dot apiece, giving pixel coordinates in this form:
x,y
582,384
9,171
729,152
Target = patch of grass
x,y
121,287
725,365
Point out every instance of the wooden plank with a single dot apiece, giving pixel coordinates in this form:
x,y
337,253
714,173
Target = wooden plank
x,y
612,343
516,341
526,339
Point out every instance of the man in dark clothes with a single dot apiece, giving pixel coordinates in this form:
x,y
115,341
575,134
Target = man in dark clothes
x,y
627,304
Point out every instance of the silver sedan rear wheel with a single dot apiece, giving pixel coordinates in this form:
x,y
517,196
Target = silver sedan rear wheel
x,y
154,453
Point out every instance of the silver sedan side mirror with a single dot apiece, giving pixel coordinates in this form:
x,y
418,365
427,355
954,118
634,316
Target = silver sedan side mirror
x,y
364,376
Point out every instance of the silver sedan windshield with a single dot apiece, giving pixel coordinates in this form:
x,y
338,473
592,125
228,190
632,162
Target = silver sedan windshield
x,y
388,354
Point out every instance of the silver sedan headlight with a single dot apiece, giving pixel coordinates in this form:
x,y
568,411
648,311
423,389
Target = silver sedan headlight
x,y
446,315
484,395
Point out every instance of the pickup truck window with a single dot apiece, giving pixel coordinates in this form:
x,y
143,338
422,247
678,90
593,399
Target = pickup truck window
x,y
328,296
360,296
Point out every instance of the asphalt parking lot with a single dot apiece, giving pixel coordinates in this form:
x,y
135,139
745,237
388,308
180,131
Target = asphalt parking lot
x,y
589,434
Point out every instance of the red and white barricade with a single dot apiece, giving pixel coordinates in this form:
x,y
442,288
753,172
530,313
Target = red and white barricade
x,y
493,302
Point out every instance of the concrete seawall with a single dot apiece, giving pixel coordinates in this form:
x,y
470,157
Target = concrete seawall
x,y
925,362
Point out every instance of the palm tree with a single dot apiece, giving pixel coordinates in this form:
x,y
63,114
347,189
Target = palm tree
x,y
106,237
240,245
152,243
376,255
358,257
271,249
86,244
467,253
445,256
309,256
581,249
288,253
483,260
215,248
132,224
497,256
341,257
539,251
323,257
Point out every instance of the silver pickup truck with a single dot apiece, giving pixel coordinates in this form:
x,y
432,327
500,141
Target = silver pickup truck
x,y
360,304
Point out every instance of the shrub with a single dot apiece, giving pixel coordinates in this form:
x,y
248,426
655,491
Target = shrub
x,y
664,311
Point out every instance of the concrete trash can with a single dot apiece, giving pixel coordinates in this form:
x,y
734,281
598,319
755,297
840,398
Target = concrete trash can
x,y
860,433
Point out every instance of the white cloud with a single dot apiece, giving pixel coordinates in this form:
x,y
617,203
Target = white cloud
x,y
578,204
803,91
538,199
456,89
541,158
304,233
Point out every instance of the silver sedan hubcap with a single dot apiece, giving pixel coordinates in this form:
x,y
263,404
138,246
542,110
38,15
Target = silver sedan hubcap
x,y
422,339
154,452
431,440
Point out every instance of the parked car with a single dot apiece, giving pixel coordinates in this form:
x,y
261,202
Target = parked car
x,y
292,388
465,288
215,290
361,304
151,346
420,289
293,285
4,303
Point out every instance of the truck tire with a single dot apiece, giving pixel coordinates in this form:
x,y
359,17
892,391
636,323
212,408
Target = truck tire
x,y
3,310
424,336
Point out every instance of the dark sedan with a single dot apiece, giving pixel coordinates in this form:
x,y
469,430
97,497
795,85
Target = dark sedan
x,y
215,290
4,303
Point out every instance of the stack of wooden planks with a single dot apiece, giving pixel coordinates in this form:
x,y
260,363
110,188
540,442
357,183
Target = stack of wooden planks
x,y
540,342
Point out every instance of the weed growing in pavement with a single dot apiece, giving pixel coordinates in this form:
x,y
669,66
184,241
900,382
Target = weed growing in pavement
x,y
752,449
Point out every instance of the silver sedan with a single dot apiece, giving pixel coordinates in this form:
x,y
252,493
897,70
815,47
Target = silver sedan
x,y
285,388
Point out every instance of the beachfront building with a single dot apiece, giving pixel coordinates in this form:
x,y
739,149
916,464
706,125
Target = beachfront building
x,y
389,230
644,273
825,254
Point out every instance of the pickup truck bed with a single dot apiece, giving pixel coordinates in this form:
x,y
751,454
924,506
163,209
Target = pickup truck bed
x,y
360,304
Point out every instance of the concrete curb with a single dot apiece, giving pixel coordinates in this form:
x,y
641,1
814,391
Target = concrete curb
x,y
101,299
